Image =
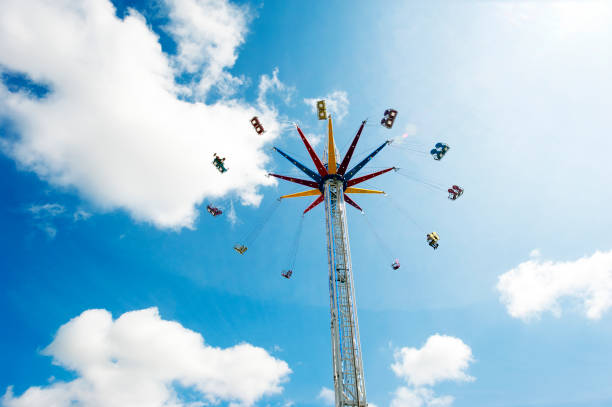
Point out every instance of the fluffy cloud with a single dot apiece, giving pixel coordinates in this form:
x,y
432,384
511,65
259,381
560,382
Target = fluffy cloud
x,y
115,126
337,104
268,84
138,359
536,286
327,396
535,253
419,397
208,33
442,358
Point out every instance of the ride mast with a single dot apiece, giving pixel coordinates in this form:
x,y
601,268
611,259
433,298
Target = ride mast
x,y
349,382
331,183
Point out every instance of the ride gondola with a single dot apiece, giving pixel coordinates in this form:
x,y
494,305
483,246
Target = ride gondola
x,y
219,163
214,211
432,240
439,151
454,192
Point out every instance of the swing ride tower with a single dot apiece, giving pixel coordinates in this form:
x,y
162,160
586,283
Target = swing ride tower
x,y
346,347
332,183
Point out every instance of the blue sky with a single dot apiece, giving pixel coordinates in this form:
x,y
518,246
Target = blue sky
x,y
519,90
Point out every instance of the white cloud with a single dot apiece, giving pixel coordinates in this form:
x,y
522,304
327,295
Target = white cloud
x,y
80,214
43,215
138,359
336,102
327,396
268,84
208,33
536,286
114,127
419,397
314,139
231,214
442,358
535,253
46,210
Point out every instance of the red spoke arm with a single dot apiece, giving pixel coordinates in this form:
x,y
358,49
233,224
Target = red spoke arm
x,y
359,180
351,150
315,158
351,202
306,182
315,203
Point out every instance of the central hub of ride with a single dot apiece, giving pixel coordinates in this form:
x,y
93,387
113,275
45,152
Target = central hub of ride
x,y
332,177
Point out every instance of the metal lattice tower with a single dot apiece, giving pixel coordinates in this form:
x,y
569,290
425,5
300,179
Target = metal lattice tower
x,y
346,348
331,184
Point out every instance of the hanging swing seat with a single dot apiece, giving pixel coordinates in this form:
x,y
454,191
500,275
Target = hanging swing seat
x,y
454,192
439,151
218,162
287,273
240,248
432,239
214,211
389,118
257,125
321,110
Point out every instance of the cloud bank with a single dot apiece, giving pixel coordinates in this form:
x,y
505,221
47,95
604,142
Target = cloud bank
x,y
115,125
535,286
141,360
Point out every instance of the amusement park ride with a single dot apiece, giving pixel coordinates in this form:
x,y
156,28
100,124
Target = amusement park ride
x,y
332,182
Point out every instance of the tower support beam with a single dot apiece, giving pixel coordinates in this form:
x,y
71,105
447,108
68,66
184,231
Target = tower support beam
x,y
346,348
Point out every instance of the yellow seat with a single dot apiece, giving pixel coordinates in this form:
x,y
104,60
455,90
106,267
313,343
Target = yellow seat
x,y
322,111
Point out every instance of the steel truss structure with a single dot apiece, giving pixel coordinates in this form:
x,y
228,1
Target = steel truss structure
x,y
346,348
